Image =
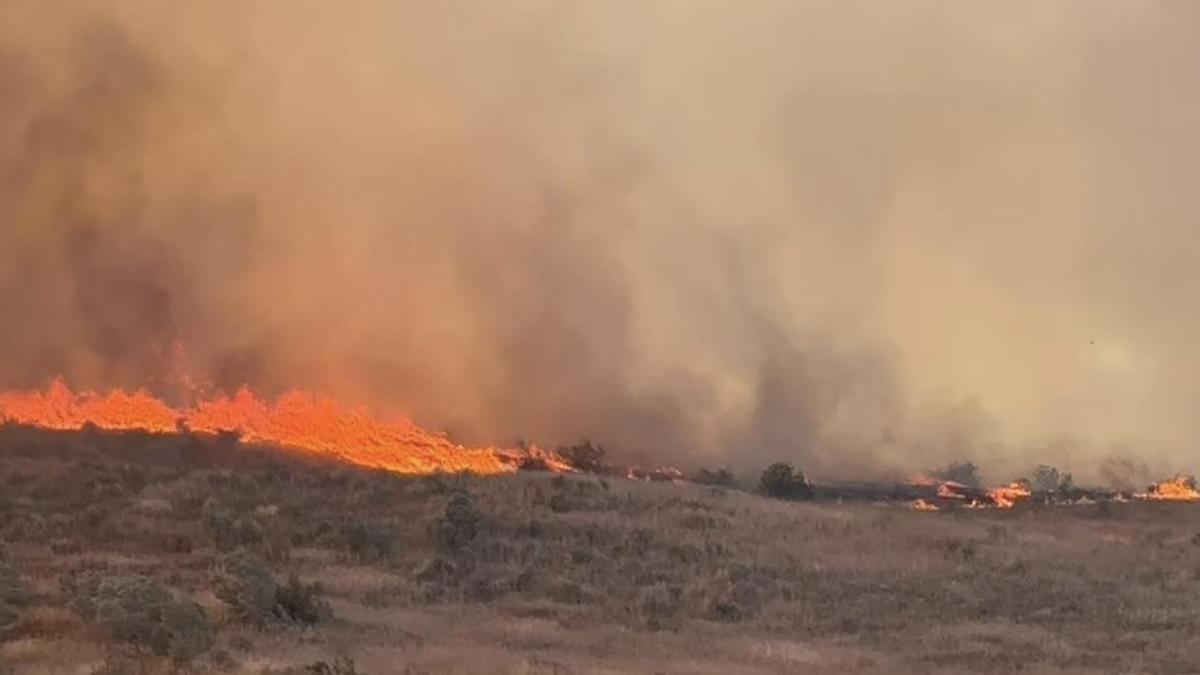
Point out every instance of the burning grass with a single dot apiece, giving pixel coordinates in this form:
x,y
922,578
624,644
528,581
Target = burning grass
x,y
296,419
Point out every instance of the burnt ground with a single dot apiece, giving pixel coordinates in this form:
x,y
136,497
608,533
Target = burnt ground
x,y
535,573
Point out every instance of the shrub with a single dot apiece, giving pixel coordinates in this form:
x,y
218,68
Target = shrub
x,y
340,666
367,542
10,622
584,456
13,590
244,582
722,477
964,473
460,523
298,602
14,595
140,612
781,481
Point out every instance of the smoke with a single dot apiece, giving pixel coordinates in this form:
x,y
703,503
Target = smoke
x,y
856,236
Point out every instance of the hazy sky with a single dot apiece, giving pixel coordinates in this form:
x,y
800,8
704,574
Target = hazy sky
x,y
849,234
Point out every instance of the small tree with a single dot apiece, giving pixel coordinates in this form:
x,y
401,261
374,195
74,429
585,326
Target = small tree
x,y
781,481
1048,479
963,473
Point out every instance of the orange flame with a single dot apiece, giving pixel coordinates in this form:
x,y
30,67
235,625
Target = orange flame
x,y
1178,489
922,505
950,490
296,419
1006,496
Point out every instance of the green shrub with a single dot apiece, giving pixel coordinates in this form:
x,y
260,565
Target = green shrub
x,y
781,481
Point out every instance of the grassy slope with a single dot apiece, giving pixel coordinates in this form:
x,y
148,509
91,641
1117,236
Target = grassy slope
x,y
585,575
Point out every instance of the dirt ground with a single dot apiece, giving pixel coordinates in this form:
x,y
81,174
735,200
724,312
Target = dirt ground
x,y
534,573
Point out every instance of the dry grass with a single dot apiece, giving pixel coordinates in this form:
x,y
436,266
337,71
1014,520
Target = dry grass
x,y
581,575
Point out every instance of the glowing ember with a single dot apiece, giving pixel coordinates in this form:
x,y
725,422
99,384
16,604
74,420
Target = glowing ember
x,y
297,419
1178,489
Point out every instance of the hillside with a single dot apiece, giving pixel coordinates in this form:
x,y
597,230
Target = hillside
x,y
537,573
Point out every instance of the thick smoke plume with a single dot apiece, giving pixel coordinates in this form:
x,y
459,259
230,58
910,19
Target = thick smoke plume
x,y
859,236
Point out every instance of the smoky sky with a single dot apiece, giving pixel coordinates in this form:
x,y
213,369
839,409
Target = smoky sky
x,y
859,236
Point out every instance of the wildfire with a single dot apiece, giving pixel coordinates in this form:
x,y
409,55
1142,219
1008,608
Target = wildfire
x,y
297,419
1178,489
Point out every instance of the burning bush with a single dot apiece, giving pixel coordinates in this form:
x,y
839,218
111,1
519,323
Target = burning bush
x,y
584,456
138,611
782,481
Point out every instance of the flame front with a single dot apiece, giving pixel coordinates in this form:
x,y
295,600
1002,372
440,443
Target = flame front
x,y
1178,489
297,419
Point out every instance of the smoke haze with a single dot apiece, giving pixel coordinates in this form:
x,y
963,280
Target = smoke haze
x,y
853,235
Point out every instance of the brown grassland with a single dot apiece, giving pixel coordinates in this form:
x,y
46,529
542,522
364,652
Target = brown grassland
x,y
534,573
